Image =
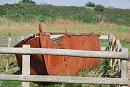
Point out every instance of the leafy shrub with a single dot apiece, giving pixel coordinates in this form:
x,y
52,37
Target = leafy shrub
x,y
99,8
90,4
26,12
27,1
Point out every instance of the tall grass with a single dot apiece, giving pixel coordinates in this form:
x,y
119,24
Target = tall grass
x,y
12,27
9,27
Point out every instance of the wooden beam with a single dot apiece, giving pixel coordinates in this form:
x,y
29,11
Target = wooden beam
x,y
124,68
104,37
103,49
66,79
26,66
129,56
65,52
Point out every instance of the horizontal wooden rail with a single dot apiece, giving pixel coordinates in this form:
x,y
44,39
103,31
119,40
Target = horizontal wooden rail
x,y
65,79
65,52
129,56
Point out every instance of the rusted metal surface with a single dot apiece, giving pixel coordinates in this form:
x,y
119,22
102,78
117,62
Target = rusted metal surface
x,y
61,65
37,62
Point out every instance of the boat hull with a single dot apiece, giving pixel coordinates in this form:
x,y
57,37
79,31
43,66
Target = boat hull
x,y
61,65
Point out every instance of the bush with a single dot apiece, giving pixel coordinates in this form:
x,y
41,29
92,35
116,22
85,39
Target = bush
x,y
26,12
99,8
27,2
90,4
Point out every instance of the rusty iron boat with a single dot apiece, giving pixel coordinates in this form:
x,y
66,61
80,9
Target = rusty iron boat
x,y
60,65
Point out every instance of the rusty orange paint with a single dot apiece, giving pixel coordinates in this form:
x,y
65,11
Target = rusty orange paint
x,y
37,64
61,65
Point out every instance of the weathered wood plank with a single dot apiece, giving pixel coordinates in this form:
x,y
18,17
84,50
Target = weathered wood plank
x,y
124,68
8,57
102,49
104,37
65,52
129,69
25,66
129,56
66,79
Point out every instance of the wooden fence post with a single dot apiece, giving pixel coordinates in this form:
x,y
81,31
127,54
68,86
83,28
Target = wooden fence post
x,y
8,56
124,70
129,68
9,42
26,66
22,37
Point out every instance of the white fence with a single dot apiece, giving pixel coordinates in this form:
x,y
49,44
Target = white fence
x,y
26,77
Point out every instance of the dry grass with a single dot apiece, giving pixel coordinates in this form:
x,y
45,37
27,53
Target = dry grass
x,y
12,27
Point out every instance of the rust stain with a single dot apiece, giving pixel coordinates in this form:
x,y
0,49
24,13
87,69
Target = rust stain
x,y
37,62
61,65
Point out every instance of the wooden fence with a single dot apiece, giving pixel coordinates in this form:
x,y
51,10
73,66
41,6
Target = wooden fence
x,y
26,77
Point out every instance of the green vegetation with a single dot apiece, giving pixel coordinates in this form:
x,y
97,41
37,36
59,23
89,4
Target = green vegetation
x,y
27,1
28,12
90,4
99,8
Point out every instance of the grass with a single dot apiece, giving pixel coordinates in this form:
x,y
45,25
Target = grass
x,y
28,12
12,63
9,27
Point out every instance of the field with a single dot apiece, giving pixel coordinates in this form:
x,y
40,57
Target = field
x,y
23,19
9,27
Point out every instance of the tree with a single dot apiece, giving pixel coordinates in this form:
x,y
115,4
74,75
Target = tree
x,y
27,1
90,4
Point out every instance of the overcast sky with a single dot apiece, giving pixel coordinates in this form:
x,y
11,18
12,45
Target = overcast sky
x,y
113,3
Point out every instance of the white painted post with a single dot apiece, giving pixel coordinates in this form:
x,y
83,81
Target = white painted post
x,y
8,56
26,67
129,67
124,70
22,37
9,42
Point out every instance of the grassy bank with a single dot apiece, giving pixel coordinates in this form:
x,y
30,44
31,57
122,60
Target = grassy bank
x,y
28,12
